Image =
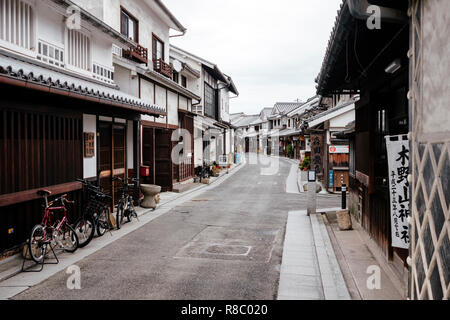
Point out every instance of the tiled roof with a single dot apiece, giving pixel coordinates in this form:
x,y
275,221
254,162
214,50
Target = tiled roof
x,y
267,111
332,43
246,121
285,107
331,110
13,70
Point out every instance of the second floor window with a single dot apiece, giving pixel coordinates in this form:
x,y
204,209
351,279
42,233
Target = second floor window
x,y
175,76
78,50
158,48
211,101
129,26
184,81
16,23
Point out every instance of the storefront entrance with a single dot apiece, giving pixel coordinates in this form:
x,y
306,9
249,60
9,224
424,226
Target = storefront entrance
x,y
156,154
112,157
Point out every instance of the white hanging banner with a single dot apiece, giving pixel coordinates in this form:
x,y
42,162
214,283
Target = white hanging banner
x,y
398,161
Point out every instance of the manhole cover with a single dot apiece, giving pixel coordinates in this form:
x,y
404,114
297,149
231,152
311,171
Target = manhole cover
x,y
230,244
228,250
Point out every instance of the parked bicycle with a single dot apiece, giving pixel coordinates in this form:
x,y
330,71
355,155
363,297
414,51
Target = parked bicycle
x,y
95,216
203,171
85,225
52,231
125,207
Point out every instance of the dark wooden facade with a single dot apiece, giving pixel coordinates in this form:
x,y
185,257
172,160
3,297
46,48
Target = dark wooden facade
x,y
381,111
42,140
41,147
157,146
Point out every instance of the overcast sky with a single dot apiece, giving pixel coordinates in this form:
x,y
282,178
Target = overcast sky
x,y
273,50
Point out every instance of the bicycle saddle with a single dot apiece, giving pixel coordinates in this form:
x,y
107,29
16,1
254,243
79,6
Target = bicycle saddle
x,y
44,193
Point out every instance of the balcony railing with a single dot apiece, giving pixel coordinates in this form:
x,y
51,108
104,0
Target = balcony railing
x,y
160,66
139,54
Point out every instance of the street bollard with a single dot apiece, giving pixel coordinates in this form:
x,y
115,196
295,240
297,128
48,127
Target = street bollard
x,y
311,197
344,196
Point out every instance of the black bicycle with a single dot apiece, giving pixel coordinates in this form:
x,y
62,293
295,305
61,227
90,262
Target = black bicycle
x,y
125,207
203,171
96,214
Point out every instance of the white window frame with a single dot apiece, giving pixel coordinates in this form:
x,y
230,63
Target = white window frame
x,y
73,68
32,52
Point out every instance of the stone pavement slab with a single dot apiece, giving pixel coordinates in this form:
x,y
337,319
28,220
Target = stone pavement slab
x,y
309,269
300,275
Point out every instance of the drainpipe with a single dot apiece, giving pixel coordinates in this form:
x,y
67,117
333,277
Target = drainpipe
x,y
359,9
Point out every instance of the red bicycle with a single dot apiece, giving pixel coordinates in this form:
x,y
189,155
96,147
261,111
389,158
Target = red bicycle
x,y
52,231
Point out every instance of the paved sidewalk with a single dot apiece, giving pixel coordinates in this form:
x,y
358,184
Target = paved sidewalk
x,y
309,269
356,254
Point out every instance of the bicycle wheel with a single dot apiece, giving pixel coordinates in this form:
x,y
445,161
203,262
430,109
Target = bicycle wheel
x,y
85,229
103,223
67,238
131,210
36,243
120,214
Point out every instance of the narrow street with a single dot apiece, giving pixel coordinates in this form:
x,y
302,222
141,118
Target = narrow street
x,y
226,243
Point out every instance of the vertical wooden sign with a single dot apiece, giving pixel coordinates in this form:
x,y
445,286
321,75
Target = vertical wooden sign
x,y
89,150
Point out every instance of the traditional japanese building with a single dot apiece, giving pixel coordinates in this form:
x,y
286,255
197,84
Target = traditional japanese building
x,y
213,133
399,66
62,113
377,69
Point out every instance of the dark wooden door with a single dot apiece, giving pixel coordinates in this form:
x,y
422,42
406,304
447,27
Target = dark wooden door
x,y
148,136
105,156
119,160
163,161
112,162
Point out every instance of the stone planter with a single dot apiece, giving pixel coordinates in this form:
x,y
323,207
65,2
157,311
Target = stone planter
x,y
150,191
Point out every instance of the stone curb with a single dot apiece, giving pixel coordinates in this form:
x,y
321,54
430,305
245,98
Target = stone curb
x,y
333,282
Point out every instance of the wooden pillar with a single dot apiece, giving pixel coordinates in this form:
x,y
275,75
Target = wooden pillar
x,y
136,158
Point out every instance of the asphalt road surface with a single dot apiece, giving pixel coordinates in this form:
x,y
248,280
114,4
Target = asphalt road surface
x,y
224,244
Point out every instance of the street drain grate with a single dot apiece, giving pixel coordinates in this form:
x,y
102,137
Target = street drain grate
x,y
200,200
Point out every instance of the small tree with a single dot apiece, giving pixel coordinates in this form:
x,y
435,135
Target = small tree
x,y
304,165
289,150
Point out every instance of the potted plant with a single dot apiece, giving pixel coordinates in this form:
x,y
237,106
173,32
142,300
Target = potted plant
x,y
304,165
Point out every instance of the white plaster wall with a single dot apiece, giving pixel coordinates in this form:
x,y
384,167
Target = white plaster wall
x,y
148,91
123,78
198,142
160,98
149,22
342,120
173,108
93,6
183,103
101,50
50,26
90,164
